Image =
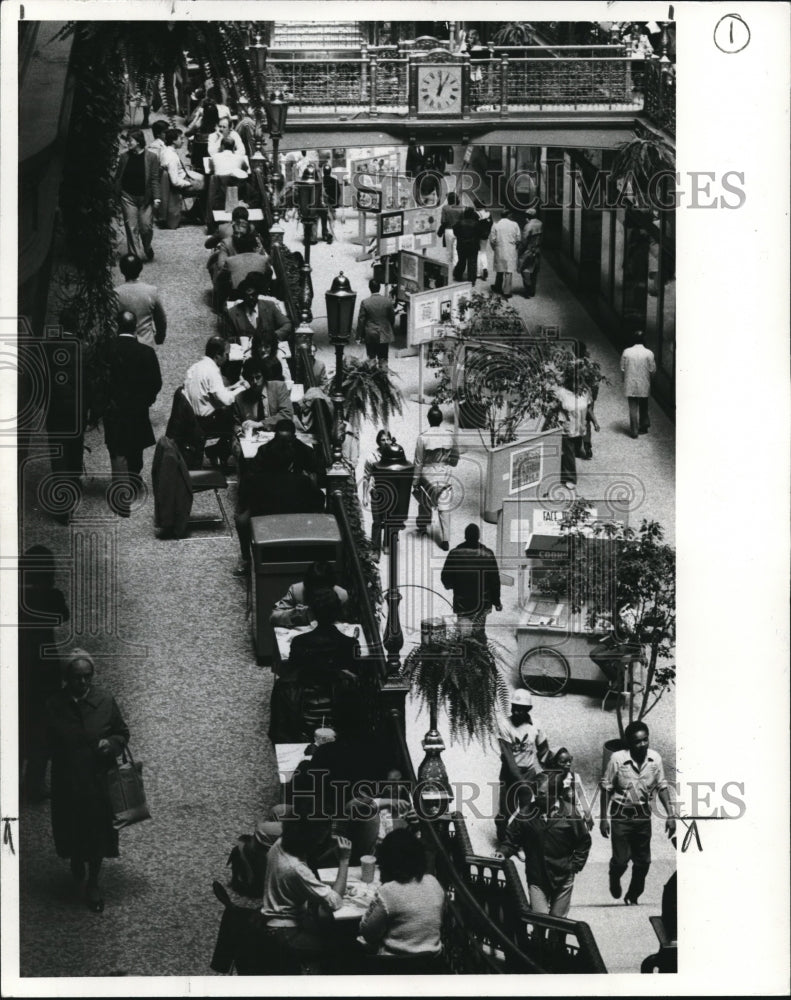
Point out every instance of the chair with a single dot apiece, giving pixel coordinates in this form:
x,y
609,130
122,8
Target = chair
x,y
666,959
243,945
174,486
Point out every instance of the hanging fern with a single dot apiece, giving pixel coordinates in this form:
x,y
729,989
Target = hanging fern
x,y
369,393
460,674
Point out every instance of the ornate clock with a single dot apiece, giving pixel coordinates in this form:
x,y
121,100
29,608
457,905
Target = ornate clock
x,y
439,89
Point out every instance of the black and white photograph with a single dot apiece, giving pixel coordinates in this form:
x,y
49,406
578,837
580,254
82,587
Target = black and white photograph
x,y
294,682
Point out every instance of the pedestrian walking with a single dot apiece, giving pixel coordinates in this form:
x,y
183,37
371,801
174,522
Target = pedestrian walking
x,y
137,185
86,733
471,572
632,778
556,843
637,368
504,241
530,252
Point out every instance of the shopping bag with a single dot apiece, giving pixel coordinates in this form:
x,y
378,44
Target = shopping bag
x,y
126,792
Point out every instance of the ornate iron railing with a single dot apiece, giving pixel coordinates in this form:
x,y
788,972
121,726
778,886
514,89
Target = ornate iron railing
x,y
659,94
523,76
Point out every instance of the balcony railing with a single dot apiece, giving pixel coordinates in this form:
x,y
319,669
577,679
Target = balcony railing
x,y
659,82
515,78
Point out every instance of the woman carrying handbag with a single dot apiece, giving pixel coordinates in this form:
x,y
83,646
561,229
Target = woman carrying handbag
x,y
86,734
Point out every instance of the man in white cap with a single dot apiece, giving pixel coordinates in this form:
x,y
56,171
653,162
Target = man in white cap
x,y
523,749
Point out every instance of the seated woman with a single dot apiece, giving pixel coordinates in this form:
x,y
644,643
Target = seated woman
x,y
404,921
295,607
293,894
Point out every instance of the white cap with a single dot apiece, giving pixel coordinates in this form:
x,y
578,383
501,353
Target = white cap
x,y
522,697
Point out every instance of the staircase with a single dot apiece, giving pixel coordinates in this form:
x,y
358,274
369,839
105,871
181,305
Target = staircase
x,y
296,35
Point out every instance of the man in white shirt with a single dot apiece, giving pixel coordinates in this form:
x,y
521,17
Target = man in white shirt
x,y
637,367
224,131
211,400
227,162
523,749
157,145
187,182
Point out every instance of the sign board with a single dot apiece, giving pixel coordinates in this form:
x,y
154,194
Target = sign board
x,y
417,273
379,186
530,527
432,313
407,229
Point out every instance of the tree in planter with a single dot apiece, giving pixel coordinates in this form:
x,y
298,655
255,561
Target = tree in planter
x,y
459,673
508,381
635,600
643,168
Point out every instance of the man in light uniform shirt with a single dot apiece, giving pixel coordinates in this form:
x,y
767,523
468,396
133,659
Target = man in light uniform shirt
x,y
211,400
630,781
523,748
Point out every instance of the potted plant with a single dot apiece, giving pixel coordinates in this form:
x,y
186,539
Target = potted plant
x,y
369,393
503,381
636,604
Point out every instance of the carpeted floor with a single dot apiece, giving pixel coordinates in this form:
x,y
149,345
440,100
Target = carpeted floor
x,y
170,627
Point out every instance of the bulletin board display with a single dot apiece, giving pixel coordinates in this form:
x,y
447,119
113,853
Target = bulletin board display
x,y
379,186
417,273
530,527
407,229
433,313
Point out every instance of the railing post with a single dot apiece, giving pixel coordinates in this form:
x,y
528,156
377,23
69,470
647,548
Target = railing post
x,y
504,86
364,74
373,109
466,84
394,637
411,85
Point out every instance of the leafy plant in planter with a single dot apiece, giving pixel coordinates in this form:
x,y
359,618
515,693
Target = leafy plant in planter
x,y
637,165
369,393
459,673
508,381
636,601
513,33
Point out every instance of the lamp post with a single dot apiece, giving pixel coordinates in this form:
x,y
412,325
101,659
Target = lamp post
x,y
341,300
308,192
390,497
276,109
257,52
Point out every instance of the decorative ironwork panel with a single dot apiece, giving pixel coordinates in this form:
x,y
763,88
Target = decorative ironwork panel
x,y
568,81
391,83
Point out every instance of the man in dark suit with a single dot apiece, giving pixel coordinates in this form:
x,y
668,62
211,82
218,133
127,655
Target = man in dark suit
x,y
137,184
325,651
375,323
275,490
264,404
254,318
134,384
299,457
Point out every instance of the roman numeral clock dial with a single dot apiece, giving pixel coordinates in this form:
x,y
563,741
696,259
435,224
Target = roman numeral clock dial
x,y
439,90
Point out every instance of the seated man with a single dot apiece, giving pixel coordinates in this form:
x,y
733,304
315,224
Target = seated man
x,y
325,650
211,400
245,260
227,162
256,318
187,182
158,130
296,607
299,458
267,401
224,131
276,491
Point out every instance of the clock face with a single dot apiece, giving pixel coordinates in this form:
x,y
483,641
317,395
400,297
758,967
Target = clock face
x,y
439,89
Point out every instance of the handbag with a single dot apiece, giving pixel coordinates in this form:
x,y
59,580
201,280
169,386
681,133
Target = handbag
x,y
126,793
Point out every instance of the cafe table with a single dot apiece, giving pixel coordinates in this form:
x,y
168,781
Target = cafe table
x,y
358,894
250,443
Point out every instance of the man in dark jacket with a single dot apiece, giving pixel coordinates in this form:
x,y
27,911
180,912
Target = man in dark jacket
x,y
137,185
134,384
375,323
556,843
467,233
471,572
